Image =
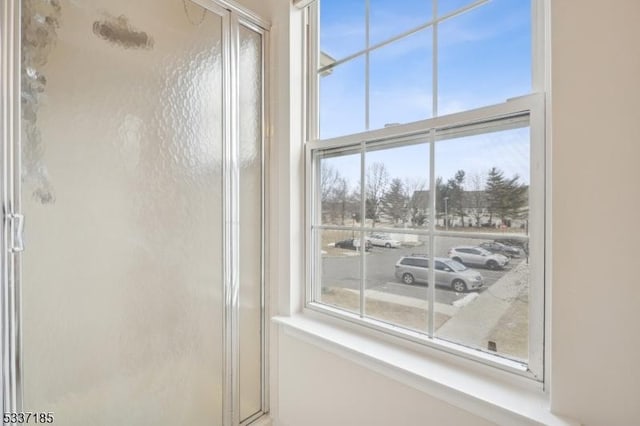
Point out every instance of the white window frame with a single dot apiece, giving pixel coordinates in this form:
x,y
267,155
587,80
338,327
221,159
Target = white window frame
x,y
530,105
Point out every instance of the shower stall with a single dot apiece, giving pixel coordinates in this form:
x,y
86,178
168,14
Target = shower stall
x,y
133,263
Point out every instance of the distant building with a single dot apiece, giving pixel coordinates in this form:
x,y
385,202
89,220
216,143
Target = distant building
x,y
476,208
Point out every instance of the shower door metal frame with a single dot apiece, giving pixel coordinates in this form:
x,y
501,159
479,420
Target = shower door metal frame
x,y
11,358
10,296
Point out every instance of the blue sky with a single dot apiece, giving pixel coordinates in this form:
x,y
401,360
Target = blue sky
x,y
508,150
484,57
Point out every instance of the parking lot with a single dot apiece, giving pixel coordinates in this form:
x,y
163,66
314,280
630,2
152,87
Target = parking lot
x,y
342,269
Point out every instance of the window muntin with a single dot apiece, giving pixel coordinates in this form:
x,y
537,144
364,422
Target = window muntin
x,y
510,131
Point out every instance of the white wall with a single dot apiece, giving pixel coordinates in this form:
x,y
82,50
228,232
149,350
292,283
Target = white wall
x,y
595,291
596,154
318,388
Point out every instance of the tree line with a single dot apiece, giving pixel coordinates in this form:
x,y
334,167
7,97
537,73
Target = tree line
x,y
482,199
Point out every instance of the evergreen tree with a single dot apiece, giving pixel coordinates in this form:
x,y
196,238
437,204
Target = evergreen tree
x,y
456,195
394,201
507,198
442,192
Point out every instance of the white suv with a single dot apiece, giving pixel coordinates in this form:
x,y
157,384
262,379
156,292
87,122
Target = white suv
x,y
383,240
478,256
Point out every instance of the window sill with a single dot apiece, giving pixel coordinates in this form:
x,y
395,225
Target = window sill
x,y
495,396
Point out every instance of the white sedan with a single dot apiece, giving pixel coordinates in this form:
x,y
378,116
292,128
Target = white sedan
x,y
383,240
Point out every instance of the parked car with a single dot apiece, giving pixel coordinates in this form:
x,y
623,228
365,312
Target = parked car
x,y
499,248
478,256
383,240
522,244
352,244
449,273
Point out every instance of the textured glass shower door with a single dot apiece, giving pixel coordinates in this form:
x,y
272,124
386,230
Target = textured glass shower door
x,y
123,194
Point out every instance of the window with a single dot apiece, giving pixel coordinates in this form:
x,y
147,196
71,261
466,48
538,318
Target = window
x,y
425,126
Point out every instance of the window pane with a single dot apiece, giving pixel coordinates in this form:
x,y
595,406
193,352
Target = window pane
x,y
482,191
338,278
342,99
494,317
484,56
396,274
342,28
388,18
401,81
396,186
482,181
339,192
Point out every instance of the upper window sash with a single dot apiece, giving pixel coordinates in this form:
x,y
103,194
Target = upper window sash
x,y
371,115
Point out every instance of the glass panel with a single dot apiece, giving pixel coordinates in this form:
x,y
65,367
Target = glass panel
x,y
388,19
339,181
338,278
489,284
122,278
396,186
342,29
495,38
483,181
342,99
396,278
401,81
396,196
250,121
482,192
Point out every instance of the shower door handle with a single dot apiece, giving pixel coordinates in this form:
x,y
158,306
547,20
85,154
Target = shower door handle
x,y
16,232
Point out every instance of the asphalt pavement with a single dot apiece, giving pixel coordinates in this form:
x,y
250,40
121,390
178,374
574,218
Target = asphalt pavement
x,y
344,270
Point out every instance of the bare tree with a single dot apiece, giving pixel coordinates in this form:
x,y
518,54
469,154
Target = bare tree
x,y
477,197
329,177
341,199
415,191
377,180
